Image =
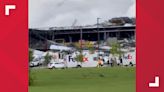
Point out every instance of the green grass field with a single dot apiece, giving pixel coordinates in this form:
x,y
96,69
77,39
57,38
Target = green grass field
x,y
116,79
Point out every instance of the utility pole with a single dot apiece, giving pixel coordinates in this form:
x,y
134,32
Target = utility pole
x,y
53,35
81,38
98,34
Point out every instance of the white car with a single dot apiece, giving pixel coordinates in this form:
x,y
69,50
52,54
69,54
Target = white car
x,y
52,65
36,62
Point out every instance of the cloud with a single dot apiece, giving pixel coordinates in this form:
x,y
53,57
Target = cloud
x,y
46,13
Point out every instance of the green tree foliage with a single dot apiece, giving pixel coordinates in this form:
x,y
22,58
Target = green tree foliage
x,y
77,45
47,58
79,58
31,57
90,47
116,51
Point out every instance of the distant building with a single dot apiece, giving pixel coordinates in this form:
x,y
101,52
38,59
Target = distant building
x,y
38,37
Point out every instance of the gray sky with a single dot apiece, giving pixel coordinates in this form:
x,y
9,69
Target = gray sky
x,y
50,13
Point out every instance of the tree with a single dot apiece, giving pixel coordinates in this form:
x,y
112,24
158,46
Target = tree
x,y
90,47
31,57
47,58
116,51
79,58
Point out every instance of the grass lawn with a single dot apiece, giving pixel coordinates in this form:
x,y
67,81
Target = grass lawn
x,y
118,79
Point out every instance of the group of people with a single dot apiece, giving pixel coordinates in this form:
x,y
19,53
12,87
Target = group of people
x,y
110,61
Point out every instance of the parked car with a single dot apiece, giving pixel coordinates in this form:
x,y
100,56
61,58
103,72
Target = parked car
x,y
52,65
36,62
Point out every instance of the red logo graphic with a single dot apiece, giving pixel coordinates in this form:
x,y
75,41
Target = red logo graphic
x,y
85,59
129,56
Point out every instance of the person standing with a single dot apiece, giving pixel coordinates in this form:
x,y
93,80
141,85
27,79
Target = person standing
x,y
100,62
111,60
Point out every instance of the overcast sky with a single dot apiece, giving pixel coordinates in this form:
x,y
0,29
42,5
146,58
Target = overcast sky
x,y
50,13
